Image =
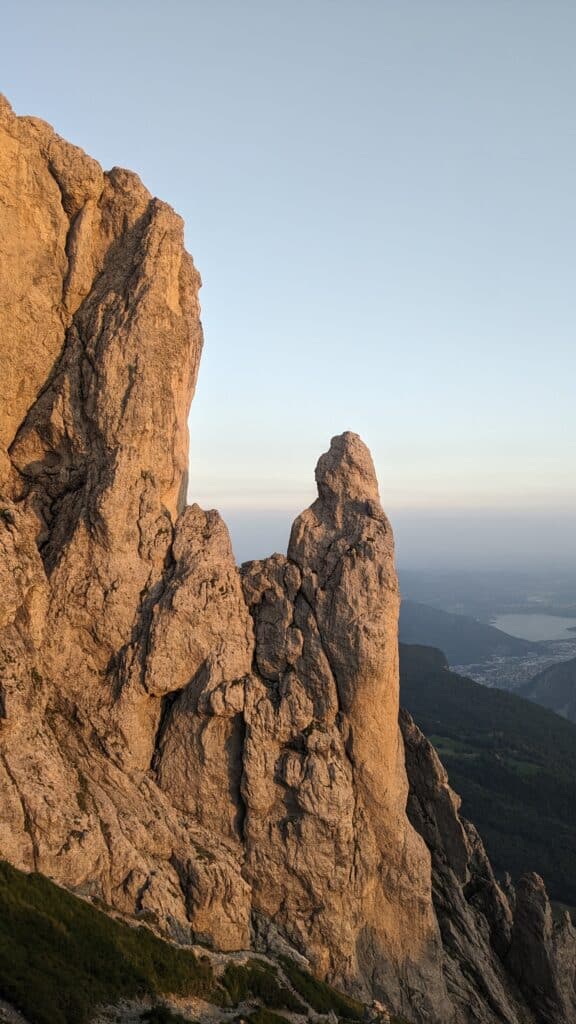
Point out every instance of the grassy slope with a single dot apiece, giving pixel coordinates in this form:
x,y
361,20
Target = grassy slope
x,y
319,996
513,763
60,958
463,640
257,979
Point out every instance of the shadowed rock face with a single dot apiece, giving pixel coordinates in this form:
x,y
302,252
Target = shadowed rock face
x,y
218,749
542,954
504,958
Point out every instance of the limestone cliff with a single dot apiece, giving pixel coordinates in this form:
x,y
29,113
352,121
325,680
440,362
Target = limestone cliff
x,y
215,749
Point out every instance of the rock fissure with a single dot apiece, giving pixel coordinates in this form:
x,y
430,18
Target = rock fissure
x,y
166,704
26,817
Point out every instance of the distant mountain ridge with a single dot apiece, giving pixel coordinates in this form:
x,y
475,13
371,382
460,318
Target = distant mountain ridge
x,y
554,688
463,640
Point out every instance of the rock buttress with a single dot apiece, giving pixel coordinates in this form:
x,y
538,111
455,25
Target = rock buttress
x,y
331,856
100,344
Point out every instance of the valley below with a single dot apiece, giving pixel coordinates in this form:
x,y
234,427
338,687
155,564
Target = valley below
x,y
500,629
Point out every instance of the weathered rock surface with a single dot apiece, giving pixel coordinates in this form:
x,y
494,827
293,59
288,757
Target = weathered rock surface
x,y
100,346
324,780
216,749
542,954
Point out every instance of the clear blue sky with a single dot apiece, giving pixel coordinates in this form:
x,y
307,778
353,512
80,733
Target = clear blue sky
x,y
381,199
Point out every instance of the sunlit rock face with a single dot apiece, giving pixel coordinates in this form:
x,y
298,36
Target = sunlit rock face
x,y
100,346
215,748
331,856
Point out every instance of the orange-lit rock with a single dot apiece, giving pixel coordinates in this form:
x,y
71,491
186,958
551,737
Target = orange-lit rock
x,y
219,749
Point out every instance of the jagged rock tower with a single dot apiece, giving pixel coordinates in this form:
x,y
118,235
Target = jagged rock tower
x,y
216,749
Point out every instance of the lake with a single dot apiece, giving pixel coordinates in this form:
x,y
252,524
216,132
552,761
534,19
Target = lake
x,y
536,627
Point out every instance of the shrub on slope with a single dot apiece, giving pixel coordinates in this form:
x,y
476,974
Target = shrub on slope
x,y
60,957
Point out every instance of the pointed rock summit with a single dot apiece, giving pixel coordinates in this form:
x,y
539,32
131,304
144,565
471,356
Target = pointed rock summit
x,y
325,712
213,749
345,473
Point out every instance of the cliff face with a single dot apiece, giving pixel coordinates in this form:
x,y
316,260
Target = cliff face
x,y
217,749
101,341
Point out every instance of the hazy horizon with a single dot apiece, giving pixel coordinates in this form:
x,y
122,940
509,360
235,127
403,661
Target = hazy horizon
x,y
459,539
380,201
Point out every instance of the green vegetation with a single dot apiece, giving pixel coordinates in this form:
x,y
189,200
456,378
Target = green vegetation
x,y
320,996
512,762
258,979
60,957
446,745
264,1017
163,1015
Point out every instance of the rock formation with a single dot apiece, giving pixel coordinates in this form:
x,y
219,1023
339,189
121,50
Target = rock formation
x,y
216,749
100,347
324,784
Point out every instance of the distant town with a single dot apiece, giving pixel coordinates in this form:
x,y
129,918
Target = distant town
x,y
510,672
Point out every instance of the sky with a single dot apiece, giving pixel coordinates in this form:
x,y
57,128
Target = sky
x,y
379,195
